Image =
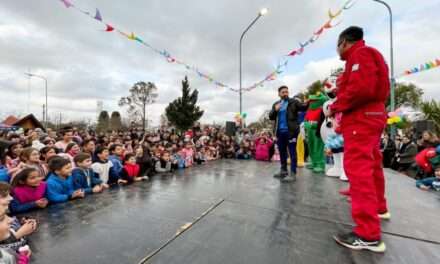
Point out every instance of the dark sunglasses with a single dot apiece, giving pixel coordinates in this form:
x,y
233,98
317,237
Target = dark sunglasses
x,y
340,43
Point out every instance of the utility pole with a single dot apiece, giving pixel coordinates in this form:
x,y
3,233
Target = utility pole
x,y
44,115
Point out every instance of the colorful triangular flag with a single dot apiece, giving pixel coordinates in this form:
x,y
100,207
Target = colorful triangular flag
x,y
109,28
132,36
304,45
98,15
319,31
328,24
349,4
332,16
293,53
67,3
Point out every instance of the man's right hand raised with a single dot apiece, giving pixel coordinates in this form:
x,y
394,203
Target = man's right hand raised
x,y
278,107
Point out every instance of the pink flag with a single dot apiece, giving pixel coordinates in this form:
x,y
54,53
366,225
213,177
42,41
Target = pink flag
x,y
67,3
328,24
319,32
293,53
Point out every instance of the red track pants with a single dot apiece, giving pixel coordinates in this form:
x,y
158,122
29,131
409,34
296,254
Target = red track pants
x,y
363,166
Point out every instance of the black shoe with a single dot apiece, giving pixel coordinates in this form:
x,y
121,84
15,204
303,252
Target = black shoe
x,y
352,241
282,174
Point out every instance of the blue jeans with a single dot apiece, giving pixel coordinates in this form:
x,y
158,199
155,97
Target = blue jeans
x,y
427,182
284,143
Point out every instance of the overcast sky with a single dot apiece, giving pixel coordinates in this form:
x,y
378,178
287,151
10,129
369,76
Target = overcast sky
x,y
85,65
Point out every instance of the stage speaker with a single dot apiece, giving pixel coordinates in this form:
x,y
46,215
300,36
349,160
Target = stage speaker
x,y
230,128
423,125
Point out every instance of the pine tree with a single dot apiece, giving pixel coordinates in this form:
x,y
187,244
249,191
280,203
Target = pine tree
x,y
103,122
183,112
115,121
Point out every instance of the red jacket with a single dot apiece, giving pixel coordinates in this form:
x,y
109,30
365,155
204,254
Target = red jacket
x,y
364,86
422,159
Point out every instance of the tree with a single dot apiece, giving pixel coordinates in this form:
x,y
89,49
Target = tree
x,y
103,122
141,95
183,112
262,123
164,120
317,86
116,121
409,94
432,112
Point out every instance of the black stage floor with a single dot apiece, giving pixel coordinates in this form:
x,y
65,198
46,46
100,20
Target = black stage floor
x,y
232,212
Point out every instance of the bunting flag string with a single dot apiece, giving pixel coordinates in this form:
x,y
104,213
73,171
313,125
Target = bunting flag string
x,y
132,36
281,68
423,67
302,45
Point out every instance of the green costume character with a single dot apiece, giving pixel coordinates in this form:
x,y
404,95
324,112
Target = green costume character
x,y
312,122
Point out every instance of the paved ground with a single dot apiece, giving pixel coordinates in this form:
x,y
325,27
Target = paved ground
x,y
232,212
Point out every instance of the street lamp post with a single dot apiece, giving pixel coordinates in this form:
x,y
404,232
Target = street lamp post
x,y
45,82
393,81
260,14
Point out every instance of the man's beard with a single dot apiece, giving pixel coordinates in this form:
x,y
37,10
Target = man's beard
x,y
284,97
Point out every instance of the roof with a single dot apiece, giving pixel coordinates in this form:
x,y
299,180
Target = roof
x,y
10,120
14,121
30,117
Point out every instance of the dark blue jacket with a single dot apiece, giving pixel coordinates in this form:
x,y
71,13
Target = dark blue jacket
x,y
59,190
117,163
81,179
16,207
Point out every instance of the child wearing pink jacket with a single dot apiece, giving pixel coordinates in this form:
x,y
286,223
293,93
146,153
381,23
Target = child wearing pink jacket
x,y
188,155
263,145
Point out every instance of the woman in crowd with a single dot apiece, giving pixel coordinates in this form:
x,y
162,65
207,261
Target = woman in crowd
x,y
406,154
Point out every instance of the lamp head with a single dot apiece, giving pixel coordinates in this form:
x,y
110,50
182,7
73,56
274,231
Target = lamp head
x,y
264,11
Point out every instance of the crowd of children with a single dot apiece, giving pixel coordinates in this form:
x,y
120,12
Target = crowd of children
x,y
416,157
39,168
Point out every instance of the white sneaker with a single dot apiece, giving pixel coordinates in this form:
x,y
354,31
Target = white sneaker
x,y
385,216
343,176
333,172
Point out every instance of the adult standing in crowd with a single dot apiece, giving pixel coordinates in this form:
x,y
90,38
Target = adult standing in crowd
x,y
405,157
361,98
388,148
285,114
67,134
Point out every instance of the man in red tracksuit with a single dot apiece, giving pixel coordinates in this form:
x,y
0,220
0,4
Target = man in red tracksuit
x,y
361,97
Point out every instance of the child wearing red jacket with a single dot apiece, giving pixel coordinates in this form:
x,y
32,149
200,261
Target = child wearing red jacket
x,y
130,171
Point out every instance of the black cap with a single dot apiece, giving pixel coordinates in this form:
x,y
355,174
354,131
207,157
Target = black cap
x,y
352,34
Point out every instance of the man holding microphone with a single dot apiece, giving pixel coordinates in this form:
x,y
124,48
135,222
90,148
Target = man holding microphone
x,y
286,128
